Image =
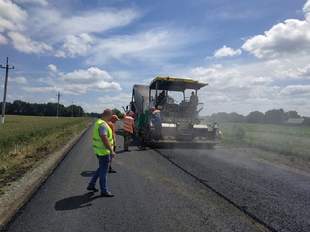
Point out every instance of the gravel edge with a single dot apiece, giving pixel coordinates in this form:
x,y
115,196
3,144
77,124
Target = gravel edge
x,y
22,190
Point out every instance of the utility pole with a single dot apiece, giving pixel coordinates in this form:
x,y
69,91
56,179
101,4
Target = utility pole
x,y
72,109
58,99
6,67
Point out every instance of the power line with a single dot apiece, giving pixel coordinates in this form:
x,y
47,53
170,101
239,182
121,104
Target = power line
x,y
7,67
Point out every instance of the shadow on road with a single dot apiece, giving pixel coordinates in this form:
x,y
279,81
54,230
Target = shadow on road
x,y
87,173
75,202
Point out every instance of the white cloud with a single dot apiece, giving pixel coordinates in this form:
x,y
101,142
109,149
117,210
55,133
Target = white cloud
x,y
19,80
49,27
304,72
289,38
76,45
148,46
254,86
54,24
97,21
3,39
87,75
52,68
12,16
292,37
83,80
39,2
296,90
306,10
272,81
226,52
114,101
77,82
40,89
13,20
55,32
25,44
110,100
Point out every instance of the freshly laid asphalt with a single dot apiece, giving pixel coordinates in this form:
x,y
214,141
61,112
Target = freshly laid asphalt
x,y
277,195
153,194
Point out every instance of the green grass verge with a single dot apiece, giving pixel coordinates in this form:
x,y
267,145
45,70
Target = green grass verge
x,y
25,140
287,140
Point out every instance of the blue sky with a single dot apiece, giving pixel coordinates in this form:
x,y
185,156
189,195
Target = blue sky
x,y
253,54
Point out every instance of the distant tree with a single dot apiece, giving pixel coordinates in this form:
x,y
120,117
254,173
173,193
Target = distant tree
x,y
306,121
234,117
227,117
292,114
74,111
19,107
94,115
255,117
275,116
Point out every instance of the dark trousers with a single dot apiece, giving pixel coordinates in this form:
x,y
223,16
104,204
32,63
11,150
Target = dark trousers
x,y
127,138
101,173
110,166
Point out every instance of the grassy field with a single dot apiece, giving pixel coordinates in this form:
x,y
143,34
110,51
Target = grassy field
x,y
25,140
288,140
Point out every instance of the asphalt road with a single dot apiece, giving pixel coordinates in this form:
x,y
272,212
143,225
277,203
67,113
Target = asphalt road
x,y
151,195
277,195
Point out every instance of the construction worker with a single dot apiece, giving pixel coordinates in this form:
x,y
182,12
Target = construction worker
x,y
142,126
193,99
111,123
128,129
156,120
161,99
103,148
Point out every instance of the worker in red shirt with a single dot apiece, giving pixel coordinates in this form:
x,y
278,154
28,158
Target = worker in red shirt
x,y
112,125
128,129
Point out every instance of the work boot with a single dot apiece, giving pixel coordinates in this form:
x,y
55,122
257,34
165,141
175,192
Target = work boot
x,y
92,188
106,194
111,170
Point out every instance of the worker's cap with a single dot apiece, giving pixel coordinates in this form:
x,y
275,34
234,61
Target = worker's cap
x,y
107,112
115,117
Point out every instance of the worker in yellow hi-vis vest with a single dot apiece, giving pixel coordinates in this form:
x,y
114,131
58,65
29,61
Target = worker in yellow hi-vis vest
x,y
128,128
103,148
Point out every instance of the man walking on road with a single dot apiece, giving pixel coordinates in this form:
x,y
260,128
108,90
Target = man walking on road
x,y
111,123
103,148
128,129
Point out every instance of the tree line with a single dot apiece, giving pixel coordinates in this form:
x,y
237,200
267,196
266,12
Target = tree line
x,y
115,111
19,107
274,116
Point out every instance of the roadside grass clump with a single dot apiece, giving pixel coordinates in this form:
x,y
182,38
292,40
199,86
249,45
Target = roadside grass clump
x,y
293,141
26,140
235,135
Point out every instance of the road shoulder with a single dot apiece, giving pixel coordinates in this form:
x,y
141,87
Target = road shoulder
x,y
20,191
